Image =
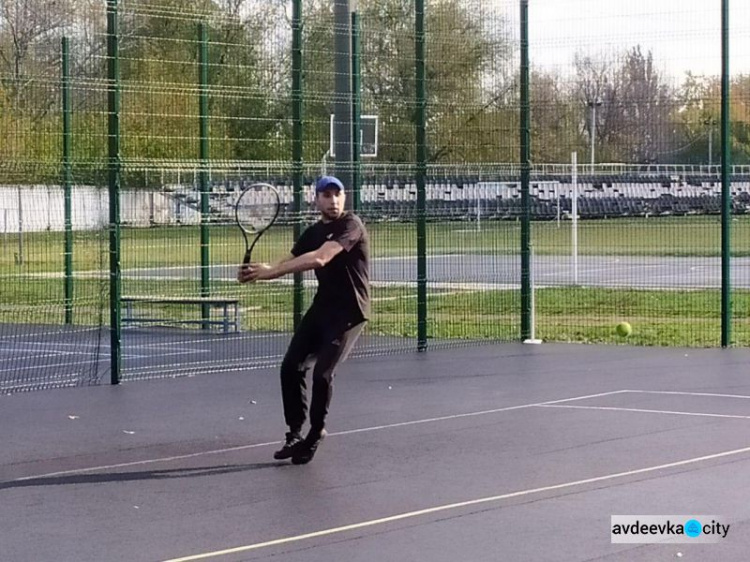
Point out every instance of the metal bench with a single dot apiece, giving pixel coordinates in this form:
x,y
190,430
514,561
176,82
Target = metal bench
x,y
229,307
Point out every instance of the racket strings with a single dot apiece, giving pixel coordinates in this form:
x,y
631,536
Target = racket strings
x,y
257,208
258,216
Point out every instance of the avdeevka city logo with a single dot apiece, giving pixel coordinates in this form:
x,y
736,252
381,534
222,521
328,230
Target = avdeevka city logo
x,y
668,528
693,528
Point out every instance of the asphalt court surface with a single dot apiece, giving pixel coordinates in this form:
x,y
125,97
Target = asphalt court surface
x,y
506,452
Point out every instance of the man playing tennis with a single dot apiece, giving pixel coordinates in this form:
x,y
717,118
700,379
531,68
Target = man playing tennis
x,y
337,248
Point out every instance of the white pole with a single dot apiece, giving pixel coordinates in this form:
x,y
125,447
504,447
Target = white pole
x,y
532,336
479,213
574,210
593,136
19,260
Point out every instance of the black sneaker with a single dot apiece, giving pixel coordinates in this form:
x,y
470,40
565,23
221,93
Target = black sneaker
x,y
293,438
304,452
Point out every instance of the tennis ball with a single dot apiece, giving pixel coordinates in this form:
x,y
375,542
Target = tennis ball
x,y
624,329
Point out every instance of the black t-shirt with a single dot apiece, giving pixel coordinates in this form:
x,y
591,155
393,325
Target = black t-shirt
x,y
344,282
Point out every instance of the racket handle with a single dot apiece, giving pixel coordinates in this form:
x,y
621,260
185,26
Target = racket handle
x,y
246,259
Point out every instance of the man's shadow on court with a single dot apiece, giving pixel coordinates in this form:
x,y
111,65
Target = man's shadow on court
x,y
106,477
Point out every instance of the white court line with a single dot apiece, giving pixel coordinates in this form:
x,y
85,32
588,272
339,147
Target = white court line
x,y
257,445
174,343
58,344
582,397
55,333
429,295
42,353
87,359
178,346
18,358
179,351
644,411
678,393
459,505
411,259
42,366
67,380
269,359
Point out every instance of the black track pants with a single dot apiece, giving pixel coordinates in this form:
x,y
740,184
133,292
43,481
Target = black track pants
x,y
326,345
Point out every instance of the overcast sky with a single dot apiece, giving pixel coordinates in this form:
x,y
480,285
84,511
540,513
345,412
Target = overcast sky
x,y
682,34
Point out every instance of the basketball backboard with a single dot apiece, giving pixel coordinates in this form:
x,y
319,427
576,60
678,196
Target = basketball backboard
x,y
368,143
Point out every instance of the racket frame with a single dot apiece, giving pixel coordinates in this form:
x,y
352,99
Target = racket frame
x,y
246,233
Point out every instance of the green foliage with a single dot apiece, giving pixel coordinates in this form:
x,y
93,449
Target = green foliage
x,y
472,87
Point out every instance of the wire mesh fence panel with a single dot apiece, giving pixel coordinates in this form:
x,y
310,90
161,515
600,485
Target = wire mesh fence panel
x,y
51,316
174,321
633,89
388,210
130,128
739,44
205,114
388,191
473,122
53,300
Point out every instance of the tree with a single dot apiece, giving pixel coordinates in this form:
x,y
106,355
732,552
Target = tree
x,y
462,55
30,32
161,54
596,84
646,111
698,118
634,122
554,129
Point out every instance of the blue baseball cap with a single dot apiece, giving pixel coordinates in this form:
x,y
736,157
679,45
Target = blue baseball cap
x,y
327,182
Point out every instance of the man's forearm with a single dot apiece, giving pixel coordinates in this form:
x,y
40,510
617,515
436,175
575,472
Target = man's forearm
x,y
305,262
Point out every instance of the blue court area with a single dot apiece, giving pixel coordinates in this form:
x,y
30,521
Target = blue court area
x,y
505,452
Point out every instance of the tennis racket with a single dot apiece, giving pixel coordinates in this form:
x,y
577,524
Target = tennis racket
x,y
256,209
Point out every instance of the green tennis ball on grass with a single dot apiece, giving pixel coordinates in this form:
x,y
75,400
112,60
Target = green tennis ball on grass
x,y
624,329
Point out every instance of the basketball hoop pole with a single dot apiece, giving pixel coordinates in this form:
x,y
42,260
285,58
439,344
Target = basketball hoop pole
x,y
356,114
343,10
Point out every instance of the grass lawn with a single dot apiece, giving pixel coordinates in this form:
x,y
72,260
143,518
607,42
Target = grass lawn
x,y
33,289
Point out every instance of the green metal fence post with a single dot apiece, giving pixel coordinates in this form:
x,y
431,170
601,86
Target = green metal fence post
x,y
421,174
525,176
726,185
204,174
67,182
297,153
115,173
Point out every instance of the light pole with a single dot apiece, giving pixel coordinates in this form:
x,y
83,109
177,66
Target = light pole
x,y
593,104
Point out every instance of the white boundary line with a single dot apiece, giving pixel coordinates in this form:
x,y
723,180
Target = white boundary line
x,y
346,432
453,506
43,366
54,344
663,412
548,404
678,393
53,333
645,411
